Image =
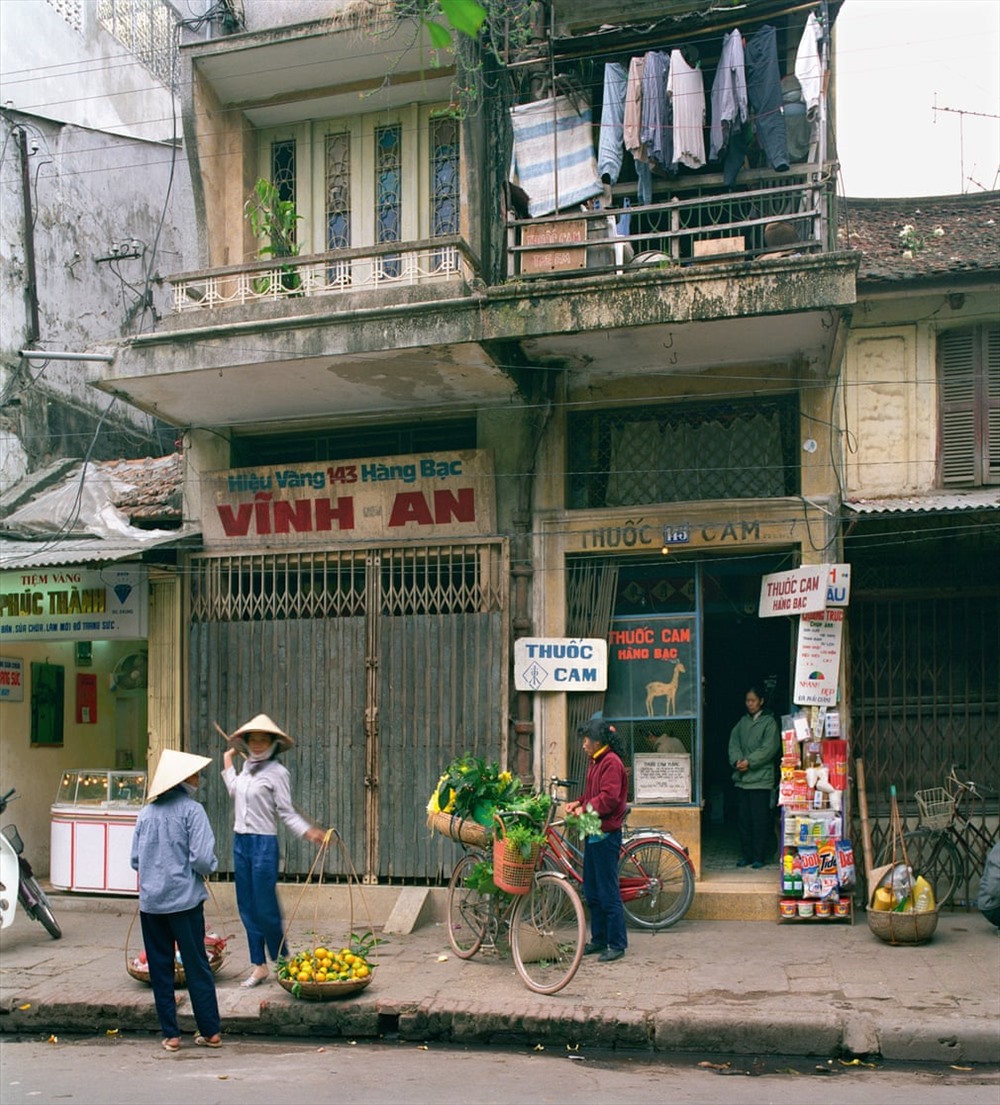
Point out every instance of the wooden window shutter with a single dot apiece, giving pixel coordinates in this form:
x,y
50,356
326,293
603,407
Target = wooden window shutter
x,y
957,357
992,404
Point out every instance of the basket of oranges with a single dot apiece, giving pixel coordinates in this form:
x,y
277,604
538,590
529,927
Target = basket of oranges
x,y
322,973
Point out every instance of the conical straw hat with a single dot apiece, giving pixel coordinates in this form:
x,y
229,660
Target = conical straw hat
x,y
260,724
173,768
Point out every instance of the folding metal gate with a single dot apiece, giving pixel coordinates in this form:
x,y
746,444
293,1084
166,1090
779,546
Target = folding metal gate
x,y
383,664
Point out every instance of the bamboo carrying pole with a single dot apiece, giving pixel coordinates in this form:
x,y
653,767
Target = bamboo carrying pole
x,y
866,836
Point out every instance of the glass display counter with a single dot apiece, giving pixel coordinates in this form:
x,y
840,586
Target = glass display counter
x,y
93,818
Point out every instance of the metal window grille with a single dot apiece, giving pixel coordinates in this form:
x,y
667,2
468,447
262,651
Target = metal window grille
x,y
683,452
389,194
338,203
445,186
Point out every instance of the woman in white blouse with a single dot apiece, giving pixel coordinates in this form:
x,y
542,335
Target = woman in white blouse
x,y
262,794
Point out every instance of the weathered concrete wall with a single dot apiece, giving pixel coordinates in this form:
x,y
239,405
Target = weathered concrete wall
x,y
890,388
104,176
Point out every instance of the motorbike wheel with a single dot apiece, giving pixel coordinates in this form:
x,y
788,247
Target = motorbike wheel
x,y
38,907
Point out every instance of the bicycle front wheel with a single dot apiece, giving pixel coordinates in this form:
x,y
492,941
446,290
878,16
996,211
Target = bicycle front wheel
x,y
547,933
468,910
933,854
656,883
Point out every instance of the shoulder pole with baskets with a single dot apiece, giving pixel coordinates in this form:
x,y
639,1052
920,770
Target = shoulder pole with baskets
x,y
894,926
215,950
329,988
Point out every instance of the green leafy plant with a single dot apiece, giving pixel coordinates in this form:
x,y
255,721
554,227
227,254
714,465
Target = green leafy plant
x,y
274,220
585,824
523,837
480,879
473,788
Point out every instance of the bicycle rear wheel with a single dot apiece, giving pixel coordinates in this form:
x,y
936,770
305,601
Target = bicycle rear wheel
x,y
656,883
933,854
547,933
468,910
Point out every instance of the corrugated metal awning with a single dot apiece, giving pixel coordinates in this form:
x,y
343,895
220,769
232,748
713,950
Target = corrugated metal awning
x,y
16,554
944,502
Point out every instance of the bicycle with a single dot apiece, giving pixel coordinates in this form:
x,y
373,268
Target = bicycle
x,y
655,873
947,842
545,927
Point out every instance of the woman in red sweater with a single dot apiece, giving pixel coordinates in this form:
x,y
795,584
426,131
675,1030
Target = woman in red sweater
x,y
606,792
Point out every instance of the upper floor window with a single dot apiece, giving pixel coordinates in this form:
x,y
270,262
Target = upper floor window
x,y
370,179
969,380
744,449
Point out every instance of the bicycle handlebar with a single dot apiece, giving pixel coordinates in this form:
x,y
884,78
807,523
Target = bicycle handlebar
x,y
5,798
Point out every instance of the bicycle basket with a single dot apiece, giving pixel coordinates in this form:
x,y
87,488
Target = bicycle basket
x,y
936,807
11,833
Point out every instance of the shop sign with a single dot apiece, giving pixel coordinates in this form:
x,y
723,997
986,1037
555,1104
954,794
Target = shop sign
x,y
661,777
652,667
427,495
817,660
560,664
799,591
70,603
11,679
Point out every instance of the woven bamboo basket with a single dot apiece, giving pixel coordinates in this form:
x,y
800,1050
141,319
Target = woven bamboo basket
x,y
907,927
325,991
903,928
215,948
312,989
141,973
459,828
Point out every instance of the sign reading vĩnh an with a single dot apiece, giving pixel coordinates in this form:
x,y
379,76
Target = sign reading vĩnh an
x,y
425,495
560,664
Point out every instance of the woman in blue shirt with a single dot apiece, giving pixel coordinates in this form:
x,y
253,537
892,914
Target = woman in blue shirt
x,y
173,849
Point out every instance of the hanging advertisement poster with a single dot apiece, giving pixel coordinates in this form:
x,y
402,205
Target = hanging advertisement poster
x,y
652,667
817,660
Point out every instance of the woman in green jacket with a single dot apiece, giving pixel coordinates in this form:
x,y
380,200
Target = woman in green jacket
x,y
753,748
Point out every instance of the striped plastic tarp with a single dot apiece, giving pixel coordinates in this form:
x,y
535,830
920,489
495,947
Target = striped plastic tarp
x,y
540,129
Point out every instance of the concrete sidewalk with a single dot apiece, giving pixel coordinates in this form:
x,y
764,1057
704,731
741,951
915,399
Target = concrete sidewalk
x,y
752,987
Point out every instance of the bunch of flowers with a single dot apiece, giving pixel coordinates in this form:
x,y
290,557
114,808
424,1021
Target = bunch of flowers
x,y
473,788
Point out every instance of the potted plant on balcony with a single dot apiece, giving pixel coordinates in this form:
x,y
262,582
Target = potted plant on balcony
x,y
274,219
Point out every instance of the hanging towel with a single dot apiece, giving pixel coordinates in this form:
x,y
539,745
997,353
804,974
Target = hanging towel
x,y
542,128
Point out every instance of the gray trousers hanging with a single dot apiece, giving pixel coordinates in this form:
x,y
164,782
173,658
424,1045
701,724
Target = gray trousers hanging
x,y
764,93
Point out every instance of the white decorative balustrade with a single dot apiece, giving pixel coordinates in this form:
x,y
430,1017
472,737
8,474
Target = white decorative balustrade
x,y
395,264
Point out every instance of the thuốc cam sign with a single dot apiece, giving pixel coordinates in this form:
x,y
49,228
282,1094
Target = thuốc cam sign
x,y
560,664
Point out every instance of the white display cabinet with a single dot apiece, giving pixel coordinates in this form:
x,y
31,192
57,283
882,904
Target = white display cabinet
x,y
93,819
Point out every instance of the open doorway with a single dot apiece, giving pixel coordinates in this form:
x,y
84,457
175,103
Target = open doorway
x,y
738,648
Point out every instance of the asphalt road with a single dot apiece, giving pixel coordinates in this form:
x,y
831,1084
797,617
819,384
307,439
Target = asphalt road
x,y
133,1070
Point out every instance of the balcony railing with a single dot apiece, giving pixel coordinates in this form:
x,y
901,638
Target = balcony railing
x,y
786,214
390,265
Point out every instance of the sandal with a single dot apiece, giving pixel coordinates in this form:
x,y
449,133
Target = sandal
x,y
208,1041
252,981
172,1044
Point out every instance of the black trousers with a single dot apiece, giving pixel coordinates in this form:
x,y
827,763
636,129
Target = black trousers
x,y
753,813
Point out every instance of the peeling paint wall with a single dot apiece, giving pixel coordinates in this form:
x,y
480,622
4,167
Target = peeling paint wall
x,y
891,388
107,180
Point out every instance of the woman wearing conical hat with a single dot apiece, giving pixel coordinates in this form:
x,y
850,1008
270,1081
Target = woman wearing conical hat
x,y
262,795
173,849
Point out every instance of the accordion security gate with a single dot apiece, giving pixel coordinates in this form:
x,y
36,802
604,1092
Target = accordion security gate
x,y
383,664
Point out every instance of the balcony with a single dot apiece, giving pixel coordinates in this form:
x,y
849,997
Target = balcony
x,y
776,215
382,268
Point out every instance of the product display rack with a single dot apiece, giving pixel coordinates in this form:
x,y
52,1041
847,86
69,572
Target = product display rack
x,y
815,856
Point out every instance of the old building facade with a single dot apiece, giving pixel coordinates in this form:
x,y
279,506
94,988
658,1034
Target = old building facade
x,y
485,374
